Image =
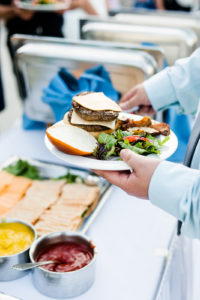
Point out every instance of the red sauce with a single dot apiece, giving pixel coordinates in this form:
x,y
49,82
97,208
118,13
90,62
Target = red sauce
x,y
69,256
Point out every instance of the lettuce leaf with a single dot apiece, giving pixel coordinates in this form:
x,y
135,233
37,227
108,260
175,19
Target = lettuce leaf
x,y
23,168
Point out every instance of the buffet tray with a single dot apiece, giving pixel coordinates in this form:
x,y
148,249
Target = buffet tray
x,y
7,297
49,170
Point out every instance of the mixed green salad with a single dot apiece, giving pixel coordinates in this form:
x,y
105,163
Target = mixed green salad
x,y
25,169
111,144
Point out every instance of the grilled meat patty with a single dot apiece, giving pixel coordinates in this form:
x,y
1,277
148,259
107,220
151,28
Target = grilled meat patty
x,y
89,128
92,115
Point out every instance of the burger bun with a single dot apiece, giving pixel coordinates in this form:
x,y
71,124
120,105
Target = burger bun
x,y
71,139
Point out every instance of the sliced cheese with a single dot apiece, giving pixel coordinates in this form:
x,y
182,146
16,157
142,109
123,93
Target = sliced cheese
x,y
97,101
145,129
77,120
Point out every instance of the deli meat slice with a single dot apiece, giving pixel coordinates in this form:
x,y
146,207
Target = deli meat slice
x,y
40,196
12,193
5,180
60,218
79,193
75,203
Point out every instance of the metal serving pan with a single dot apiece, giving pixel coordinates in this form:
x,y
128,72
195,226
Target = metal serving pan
x,y
39,62
156,52
176,42
141,11
49,170
190,21
7,297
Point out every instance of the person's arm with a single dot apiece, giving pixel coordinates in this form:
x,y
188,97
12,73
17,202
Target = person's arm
x,y
160,4
177,85
176,189
171,187
83,4
107,5
6,12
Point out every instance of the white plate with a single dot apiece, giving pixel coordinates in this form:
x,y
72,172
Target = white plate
x,y
91,163
43,7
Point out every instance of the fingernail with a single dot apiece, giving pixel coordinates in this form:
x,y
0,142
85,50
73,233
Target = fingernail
x,y
123,105
123,153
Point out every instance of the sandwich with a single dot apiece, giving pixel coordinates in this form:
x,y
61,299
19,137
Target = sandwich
x,y
93,112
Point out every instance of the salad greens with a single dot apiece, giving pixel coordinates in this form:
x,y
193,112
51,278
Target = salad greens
x,y
70,178
111,144
23,168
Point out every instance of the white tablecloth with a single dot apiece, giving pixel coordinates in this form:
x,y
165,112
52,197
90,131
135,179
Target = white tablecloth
x,y
127,232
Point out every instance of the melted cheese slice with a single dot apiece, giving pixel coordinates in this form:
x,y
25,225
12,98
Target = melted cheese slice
x,y
76,119
97,101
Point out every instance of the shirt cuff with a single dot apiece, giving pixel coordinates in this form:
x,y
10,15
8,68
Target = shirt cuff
x,y
160,90
168,188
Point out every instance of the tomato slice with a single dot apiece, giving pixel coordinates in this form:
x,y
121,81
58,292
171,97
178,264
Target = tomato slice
x,y
134,138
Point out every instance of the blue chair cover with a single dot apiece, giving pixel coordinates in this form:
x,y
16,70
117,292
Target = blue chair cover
x,y
147,4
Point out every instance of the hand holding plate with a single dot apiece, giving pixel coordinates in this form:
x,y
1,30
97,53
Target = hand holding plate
x,y
134,183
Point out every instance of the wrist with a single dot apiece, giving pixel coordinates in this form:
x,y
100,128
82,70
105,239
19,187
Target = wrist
x,y
161,97
84,4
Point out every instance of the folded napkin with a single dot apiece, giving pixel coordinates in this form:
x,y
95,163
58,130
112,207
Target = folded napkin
x,y
64,86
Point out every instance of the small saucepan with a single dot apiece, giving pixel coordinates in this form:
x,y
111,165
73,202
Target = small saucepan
x,y
57,280
7,261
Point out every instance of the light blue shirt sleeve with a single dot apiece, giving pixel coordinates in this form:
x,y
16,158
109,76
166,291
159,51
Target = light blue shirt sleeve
x,y
173,187
178,85
176,189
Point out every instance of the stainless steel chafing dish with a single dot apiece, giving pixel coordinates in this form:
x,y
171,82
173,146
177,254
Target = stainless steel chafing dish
x,y
155,51
40,60
166,19
176,42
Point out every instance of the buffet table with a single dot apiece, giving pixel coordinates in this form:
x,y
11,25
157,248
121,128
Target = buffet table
x,y
131,236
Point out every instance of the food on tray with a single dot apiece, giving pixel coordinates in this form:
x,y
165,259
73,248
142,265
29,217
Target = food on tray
x,y
56,204
162,128
71,139
137,136
36,2
46,2
39,197
69,256
142,143
93,112
12,190
5,180
145,125
23,168
14,238
98,116
76,202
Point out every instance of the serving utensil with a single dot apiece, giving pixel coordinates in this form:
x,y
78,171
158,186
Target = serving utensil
x,y
28,266
92,180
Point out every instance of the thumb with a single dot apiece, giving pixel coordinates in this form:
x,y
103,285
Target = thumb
x,y
132,159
